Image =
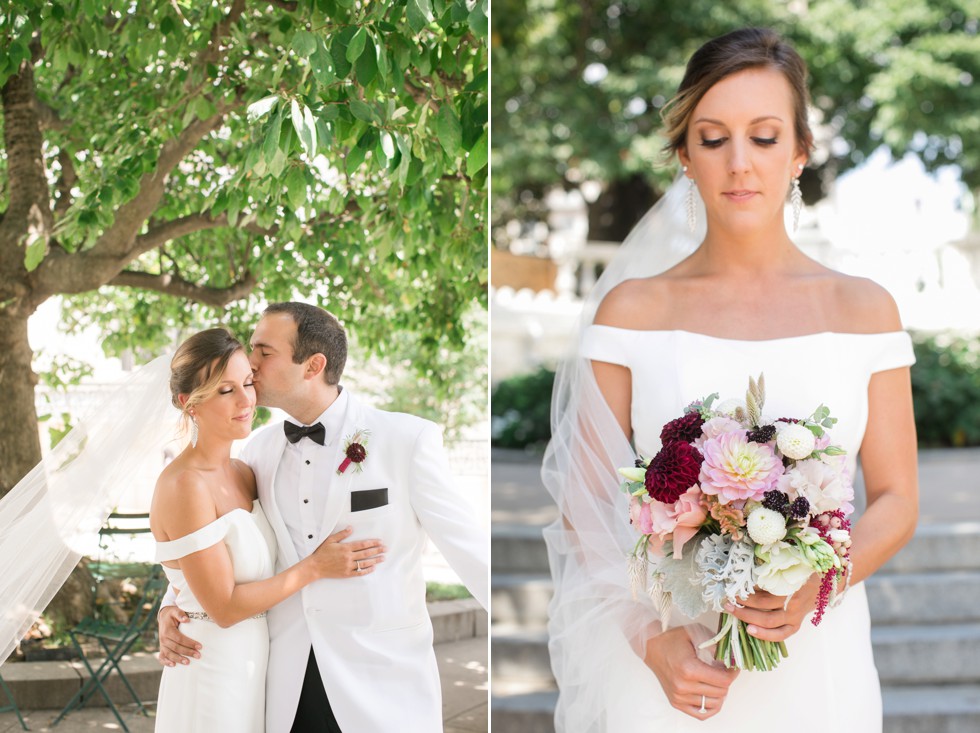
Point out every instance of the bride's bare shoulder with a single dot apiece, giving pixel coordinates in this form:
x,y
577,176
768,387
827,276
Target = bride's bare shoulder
x,y
864,305
639,303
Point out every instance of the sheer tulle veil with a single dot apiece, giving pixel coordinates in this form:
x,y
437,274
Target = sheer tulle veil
x,y
593,614
67,497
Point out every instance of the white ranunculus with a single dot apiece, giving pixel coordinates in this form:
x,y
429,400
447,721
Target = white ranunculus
x,y
794,440
784,571
633,474
728,407
766,526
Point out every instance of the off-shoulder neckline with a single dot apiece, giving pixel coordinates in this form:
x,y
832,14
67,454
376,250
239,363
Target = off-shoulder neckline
x,y
674,331
216,520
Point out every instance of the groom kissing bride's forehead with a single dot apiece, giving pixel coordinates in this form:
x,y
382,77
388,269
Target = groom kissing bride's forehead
x,y
332,477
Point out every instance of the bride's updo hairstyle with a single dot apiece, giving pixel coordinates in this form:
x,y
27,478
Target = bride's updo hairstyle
x,y
747,48
199,366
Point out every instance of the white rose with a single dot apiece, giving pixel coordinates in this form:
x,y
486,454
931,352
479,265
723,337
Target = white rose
x,y
794,441
784,572
766,526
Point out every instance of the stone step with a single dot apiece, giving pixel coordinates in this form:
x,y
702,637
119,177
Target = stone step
x,y
904,655
894,598
516,548
935,547
520,598
941,654
935,709
924,598
526,713
952,546
932,709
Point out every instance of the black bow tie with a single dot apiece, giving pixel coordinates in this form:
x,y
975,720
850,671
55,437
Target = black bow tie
x,y
317,433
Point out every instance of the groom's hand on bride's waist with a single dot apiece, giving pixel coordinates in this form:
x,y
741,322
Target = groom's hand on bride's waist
x,y
175,648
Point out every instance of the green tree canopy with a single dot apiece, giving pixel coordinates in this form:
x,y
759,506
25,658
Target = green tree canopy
x,y
577,87
172,163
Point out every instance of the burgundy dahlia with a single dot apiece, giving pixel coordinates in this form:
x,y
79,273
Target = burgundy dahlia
x,y
673,471
685,428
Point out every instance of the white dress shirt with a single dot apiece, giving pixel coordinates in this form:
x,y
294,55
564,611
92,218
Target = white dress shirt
x,y
303,479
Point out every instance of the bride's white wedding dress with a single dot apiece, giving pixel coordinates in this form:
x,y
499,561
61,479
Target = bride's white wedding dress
x,y
829,681
224,690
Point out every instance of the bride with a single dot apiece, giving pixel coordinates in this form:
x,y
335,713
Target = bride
x,y
675,317
218,549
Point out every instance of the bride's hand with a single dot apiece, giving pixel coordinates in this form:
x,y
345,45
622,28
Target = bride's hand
x,y
684,678
337,559
764,613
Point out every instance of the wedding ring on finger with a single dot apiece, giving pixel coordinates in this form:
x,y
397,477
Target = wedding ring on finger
x,y
702,710
357,563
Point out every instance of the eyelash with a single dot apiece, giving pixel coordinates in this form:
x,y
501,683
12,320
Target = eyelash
x,y
250,384
718,141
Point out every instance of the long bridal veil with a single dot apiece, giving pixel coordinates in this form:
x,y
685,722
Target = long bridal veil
x,y
47,518
593,614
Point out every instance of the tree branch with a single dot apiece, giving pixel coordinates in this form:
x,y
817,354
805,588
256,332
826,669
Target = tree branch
x,y
66,181
47,117
177,287
289,5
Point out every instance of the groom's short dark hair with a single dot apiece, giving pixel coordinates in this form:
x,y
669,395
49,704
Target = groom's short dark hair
x,y
317,332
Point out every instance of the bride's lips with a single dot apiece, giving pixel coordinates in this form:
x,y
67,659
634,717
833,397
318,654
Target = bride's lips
x,y
739,195
247,416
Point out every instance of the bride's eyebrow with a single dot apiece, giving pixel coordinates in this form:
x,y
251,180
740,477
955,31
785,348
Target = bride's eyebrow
x,y
756,121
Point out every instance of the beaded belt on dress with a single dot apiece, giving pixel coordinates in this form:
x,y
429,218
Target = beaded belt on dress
x,y
201,616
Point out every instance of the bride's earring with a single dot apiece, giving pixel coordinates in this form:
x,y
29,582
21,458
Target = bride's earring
x,y
193,432
796,199
692,210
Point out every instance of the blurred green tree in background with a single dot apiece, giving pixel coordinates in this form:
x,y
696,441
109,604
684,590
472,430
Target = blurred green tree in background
x,y
577,88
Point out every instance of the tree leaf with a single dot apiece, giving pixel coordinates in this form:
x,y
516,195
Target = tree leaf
x,y
305,127
34,253
270,145
366,68
257,110
322,64
387,145
477,157
449,130
356,45
362,111
296,187
419,14
304,43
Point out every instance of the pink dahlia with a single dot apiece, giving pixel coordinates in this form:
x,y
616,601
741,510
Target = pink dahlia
x,y
685,428
735,468
673,471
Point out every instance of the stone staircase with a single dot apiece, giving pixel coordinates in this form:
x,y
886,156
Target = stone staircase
x,y
925,609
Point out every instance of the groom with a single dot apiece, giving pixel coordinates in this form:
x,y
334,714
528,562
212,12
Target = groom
x,y
353,654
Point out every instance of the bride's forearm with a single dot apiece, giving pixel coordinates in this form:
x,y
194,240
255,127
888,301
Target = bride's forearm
x,y
886,526
240,602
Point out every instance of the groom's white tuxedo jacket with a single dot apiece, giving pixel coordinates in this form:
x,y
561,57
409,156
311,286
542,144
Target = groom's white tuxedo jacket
x,y
371,634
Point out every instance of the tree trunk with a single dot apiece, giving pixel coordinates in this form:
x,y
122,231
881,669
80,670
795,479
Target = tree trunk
x,y
20,447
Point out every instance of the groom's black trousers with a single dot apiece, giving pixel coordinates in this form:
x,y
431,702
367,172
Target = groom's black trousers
x,y
313,714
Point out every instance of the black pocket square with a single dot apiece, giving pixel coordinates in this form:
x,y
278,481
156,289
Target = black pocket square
x,y
368,499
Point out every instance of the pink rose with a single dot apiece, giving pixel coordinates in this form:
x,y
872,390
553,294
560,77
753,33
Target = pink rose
x,y
640,515
688,515
717,426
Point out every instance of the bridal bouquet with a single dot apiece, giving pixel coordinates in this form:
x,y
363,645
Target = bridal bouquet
x,y
733,502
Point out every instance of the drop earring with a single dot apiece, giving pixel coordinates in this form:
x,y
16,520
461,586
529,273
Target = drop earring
x,y
796,199
193,432
692,211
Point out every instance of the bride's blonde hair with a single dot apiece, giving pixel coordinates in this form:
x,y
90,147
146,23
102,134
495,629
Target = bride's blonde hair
x,y
747,48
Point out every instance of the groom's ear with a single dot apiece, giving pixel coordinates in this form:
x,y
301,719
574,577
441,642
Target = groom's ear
x,y
315,366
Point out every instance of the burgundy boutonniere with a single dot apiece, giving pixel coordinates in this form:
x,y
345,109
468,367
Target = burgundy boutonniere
x,y
355,451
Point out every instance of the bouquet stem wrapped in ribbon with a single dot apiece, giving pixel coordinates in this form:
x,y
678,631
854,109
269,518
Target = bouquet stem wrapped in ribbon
x,y
733,502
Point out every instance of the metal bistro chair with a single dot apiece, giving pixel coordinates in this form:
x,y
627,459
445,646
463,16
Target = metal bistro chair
x,y
116,640
12,707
